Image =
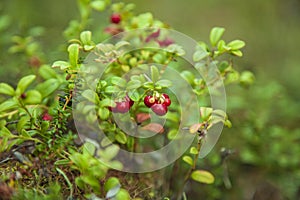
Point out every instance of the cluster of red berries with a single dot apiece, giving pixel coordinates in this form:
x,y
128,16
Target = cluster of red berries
x,y
159,105
122,106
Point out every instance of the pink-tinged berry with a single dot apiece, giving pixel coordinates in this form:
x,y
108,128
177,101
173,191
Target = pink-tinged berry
x,y
123,106
159,109
115,18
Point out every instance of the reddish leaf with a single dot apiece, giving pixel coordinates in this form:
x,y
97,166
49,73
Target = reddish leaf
x,y
154,127
141,117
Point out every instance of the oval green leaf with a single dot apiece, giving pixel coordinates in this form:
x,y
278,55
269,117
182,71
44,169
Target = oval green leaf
x,y
202,176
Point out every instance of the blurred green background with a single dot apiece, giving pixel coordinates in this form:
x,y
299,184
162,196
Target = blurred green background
x,y
265,138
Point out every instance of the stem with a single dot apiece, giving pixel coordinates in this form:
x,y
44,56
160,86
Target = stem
x,y
188,174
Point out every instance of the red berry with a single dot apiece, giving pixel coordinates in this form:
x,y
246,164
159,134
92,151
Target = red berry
x,y
167,102
115,18
129,100
123,106
149,101
23,96
47,117
159,109
166,96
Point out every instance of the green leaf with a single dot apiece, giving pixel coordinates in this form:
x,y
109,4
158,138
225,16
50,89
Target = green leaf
x,y
121,137
33,97
89,148
91,96
188,160
122,195
203,176
194,151
221,46
88,47
228,123
6,89
118,81
247,78
158,58
121,44
73,50
199,55
111,183
143,20
24,83
111,152
92,181
164,83
47,72
237,53
61,64
103,113
134,95
188,76
86,37
133,84
107,102
62,162
22,122
205,113
98,5
48,87
172,134
215,35
111,89
7,105
220,113
113,191
154,73
236,44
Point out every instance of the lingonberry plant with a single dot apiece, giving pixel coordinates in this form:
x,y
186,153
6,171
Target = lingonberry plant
x,y
133,82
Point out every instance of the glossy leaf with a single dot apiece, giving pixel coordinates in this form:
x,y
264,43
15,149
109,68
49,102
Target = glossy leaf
x,y
24,83
199,55
48,87
113,191
193,150
73,50
164,83
215,35
118,81
86,37
91,96
154,73
61,64
236,44
188,160
7,105
98,5
121,137
203,176
111,183
33,97
6,89
47,72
